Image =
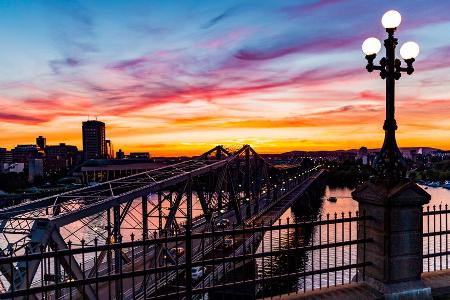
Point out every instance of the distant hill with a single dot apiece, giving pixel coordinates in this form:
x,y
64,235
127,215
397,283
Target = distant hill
x,y
402,149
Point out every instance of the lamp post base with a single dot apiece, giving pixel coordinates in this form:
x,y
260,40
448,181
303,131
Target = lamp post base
x,y
414,290
395,226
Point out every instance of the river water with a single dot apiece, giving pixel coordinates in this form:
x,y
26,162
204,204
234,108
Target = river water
x,y
338,256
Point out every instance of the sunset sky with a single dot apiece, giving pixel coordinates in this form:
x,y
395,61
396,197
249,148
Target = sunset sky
x,y
176,77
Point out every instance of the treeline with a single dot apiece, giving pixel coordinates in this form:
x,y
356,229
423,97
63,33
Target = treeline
x,y
348,174
439,171
12,182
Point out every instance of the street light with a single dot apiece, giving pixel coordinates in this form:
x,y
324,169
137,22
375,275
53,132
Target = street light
x,y
389,163
371,46
391,19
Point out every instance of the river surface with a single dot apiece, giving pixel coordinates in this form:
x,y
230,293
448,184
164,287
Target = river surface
x,y
300,261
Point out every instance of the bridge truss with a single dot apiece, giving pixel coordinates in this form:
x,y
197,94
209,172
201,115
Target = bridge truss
x,y
182,197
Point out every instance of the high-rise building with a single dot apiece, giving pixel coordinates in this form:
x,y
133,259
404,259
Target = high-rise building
x,y
41,142
94,142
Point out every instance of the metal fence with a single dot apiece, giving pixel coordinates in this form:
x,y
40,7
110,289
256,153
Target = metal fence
x,y
249,261
435,233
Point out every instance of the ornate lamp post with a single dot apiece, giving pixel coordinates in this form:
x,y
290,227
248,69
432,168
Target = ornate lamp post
x,y
394,205
389,164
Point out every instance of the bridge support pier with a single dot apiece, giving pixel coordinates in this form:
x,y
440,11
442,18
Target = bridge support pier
x,y
395,225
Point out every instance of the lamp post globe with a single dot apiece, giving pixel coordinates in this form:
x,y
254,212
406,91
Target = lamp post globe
x,y
409,50
391,19
371,46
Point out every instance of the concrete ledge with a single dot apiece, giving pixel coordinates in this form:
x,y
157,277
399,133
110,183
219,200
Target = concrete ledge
x,y
351,291
439,282
405,290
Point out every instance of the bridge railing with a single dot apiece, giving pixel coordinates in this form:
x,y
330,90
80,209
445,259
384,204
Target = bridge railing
x,y
260,260
436,241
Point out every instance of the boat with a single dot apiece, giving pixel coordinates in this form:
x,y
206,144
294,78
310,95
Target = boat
x,y
332,199
446,184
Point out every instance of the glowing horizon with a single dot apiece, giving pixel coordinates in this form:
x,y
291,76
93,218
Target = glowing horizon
x,y
178,80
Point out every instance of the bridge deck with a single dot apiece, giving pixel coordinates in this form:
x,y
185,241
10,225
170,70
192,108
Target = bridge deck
x,y
268,215
274,211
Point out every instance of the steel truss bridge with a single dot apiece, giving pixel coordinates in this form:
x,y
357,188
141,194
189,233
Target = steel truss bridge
x,y
190,196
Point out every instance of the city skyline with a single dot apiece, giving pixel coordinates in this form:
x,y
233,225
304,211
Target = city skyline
x,y
177,80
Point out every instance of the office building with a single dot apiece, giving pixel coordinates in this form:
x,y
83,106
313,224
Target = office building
x,y
23,153
60,157
94,142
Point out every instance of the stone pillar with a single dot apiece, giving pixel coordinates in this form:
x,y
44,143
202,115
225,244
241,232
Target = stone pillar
x,y
395,227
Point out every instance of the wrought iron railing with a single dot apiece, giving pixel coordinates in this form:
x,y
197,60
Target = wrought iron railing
x,y
436,230
257,260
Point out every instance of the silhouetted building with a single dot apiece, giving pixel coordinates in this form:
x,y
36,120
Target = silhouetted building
x,y
41,142
2,155
363,155
120,154
23,153
13,167
5,159
100,170
109,149
8,157
139,155
94,142
60,157
35,169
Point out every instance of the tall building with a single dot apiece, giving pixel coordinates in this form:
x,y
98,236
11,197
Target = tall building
x,y
94,142
41,142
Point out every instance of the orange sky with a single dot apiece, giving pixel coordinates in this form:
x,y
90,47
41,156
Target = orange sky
x,y
223,75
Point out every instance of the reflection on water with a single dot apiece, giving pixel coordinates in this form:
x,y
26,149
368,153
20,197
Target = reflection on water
x,y
299,261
